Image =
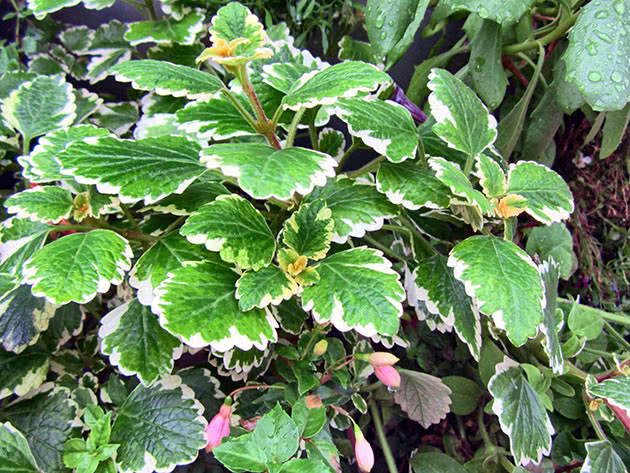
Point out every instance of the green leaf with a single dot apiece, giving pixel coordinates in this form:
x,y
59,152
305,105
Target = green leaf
x,y
23,372
165,78
41,204
386,127
304,465
521,413
324,87
503,281
233,227
356,207
423,397
354,50
283,75
602,458
134,341
78,456
164,256
435,462
613,131
615,390
290,316
277,435
491,177
11,80
41,8
553,242
148,169
166,30
452,177
410,185
39,106
585,321
242,365
503,12
204,189
357,290
309,230
77,267
270,285
462,119
46,420
436,286
23,318
552,321
488,76
263,171
19,239
241,454
598,56
464,394
117,117
158,427
548,196
15,454
309,420
205,386
197,304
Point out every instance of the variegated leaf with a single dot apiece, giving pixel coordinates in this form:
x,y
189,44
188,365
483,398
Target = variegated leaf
x,y
270,285
46,204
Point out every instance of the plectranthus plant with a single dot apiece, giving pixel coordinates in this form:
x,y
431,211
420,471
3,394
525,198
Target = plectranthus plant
x,y
196,280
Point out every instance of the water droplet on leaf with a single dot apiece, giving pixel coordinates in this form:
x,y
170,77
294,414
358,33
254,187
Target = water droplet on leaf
x,y
616,77
594,76
601,14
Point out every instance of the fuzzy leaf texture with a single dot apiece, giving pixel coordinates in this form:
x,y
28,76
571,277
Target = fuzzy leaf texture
x,y
423,397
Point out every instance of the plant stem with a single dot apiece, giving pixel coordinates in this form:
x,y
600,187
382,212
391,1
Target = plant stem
x,y
293,127
383,248
312,132
130,217
17,23
316,330
591,417
355,144
616,336
382,439
149,6
242,110
137,236
419,236
469,163
507,464
482,429
257,386
616,318
367,168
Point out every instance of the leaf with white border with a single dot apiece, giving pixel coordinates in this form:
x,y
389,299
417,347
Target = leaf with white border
x,y
134,341
504,282
158,427
356,207
263,171
384,126
615,390
165,78
19,239
22,372
602,458
463,121
425,398
451,175
206,387
343,80
117,117
309,230
77,267
100,65
332,142
552,324
65,324
283,75
270,285
357,290
203,190
491,177
549,198
521,413
148,169
410,185
41,204
232,226
15,454
240,365
166,30
197,303
290,315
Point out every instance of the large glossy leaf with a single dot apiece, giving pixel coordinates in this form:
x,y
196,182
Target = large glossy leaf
x,y
23,372
41,204
504,282
357,290
263,171
598,56
309,230
521,413
166,30
233,227
462,119
165,78
197,303
503,12
148,169
602,458
423,397
15,454
77,267
134,341
158,427
270,285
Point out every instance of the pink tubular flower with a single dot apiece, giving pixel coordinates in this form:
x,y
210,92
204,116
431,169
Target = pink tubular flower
x,y
362,451
219,426
388,376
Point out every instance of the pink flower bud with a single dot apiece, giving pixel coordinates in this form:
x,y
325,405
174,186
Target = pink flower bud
x,y
218,427
388,376
382,358
362,451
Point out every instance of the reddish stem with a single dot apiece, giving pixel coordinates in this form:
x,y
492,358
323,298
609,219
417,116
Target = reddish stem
x,y
510,66
569,467
621,415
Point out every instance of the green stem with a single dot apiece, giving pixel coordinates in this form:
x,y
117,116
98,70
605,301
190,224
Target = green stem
x,y
618,319
316,330
17,23
383,248
293,127
367,168
137,236
482,429
508,229
355,144
419,236
257,386
591,417
533,65
469,163
238,106
131,218
616,335
382,439
507,464
26,145
148,4
173,226
592,351
312,132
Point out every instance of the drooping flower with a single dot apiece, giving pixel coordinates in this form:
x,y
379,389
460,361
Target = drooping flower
x,y
382,358
219,426
388,376
362,451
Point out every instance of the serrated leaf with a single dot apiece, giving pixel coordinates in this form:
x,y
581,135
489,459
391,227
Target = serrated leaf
x,y
283,75
46,420
357,290
290,316
602,458
552,324
164,256
15,454
488,75
165,78
384,126
241,365
503,12
354,50
324,87
598,56
356,207
277,435
269,285
332,142
39,106
158,427
117,117
134,341
491,177
232,226
521,413
197,303
23,372
452,177
423,397
263,171
309,230
41,8
548,196
148,169
504,282
410,185
552,242
77,267
41,204
23,317
66,323
444,295
462,119
203,190
206,387
435,462
19,239
166,30
99,66
615,390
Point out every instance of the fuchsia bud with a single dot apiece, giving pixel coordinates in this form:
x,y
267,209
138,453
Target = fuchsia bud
x,y
362,451
219,426
382,358
388,376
